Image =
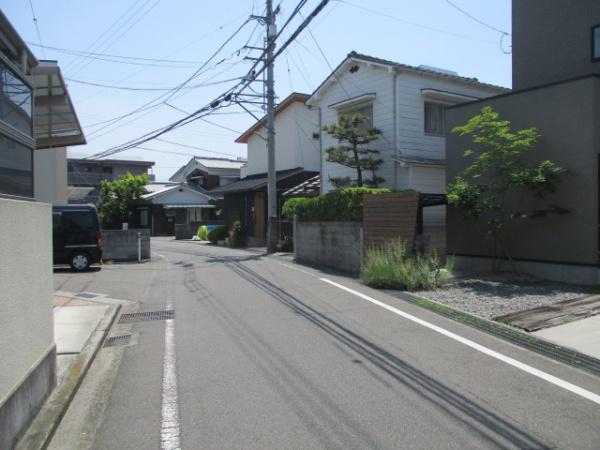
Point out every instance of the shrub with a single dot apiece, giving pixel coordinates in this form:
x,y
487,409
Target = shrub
x,y
237,235
217,234
202,232
344,205
390,266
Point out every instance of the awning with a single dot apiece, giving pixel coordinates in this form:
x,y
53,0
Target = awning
x,y
188,206
55,120
408,160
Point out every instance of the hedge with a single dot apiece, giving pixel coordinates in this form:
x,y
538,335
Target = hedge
x,y
339,206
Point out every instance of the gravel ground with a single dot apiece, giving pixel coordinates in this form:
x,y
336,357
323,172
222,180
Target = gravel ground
x,y
496,295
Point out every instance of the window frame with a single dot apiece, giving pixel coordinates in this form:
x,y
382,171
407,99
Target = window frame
x,y
430,133
356,109
31,197
594,50
10,67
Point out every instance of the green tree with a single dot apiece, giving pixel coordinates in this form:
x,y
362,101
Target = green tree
x,y
116,198
353,135
492,187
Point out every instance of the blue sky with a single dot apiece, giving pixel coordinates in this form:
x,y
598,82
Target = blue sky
x,y
428,32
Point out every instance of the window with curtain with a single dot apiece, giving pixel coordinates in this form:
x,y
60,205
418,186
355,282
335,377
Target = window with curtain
x,y
435,114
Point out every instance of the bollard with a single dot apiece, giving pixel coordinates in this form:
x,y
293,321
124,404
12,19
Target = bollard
x,y
139,236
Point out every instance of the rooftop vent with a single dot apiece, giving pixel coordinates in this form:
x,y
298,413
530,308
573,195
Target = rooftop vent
x,y
438,70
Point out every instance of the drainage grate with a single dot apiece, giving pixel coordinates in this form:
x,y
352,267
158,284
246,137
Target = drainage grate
x,y
86,295
117,340
147,316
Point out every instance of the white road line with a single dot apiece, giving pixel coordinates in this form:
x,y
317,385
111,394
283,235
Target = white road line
x,y
474,345
170,430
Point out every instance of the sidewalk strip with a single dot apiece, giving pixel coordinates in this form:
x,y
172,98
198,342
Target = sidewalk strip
x,y
480,348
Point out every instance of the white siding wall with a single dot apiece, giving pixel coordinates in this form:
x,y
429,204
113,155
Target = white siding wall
x,y
412,139
368,79
50,175
294,145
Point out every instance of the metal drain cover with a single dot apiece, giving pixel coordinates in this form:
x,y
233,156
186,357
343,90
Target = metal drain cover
x,y
147,316
117,340
86,295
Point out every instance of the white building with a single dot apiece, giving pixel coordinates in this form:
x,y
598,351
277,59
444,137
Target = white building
x,y
296,138
407,104
208,173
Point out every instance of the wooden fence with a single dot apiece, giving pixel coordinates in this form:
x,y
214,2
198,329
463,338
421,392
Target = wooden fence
x,y
390,216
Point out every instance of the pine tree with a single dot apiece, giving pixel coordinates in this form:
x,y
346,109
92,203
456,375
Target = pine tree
x,y
351,152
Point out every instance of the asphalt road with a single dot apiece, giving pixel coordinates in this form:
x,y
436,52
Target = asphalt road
x,y
266,354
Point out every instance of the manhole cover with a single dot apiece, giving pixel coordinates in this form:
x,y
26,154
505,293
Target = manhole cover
x,y
117,340
86,295
147,316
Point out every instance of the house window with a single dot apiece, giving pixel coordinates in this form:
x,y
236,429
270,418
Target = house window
x,y
596,43
435,114
16,168
367,111
15,101
107,170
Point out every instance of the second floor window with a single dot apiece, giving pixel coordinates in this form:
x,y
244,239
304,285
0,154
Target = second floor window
x,y
367,111
435,115
596,43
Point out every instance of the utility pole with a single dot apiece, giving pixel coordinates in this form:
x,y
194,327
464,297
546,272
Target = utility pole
x,y
272,178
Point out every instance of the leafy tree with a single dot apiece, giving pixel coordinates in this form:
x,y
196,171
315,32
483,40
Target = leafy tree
x,y
353,136
117,196
498,175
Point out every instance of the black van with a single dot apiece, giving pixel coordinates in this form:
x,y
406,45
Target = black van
x,y
76,236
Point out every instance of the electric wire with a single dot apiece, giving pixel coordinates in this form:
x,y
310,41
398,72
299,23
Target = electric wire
x,y
37,27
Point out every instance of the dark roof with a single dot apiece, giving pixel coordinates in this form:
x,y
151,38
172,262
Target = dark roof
x,y
308,188
355,55
289,100
253,182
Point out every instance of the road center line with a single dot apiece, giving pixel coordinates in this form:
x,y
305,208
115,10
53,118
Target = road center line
x,y
170,432
474,345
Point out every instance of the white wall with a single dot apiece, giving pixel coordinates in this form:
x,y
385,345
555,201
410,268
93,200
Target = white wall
x,y
186,197
26,287
50,175
294,144
407,136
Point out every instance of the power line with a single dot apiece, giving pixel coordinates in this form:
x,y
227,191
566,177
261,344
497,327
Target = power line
x,y
37,28
149,89
228,97
415,24
481,22
118,58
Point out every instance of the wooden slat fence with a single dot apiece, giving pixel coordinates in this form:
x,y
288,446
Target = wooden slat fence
x,y
390,216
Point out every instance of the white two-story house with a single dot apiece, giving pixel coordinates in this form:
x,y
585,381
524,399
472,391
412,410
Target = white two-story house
x,y
407,104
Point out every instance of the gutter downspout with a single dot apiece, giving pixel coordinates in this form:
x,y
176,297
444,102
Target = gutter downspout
x,y
320,153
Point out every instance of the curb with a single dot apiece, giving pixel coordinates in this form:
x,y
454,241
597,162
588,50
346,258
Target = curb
x,y
42,429
511,334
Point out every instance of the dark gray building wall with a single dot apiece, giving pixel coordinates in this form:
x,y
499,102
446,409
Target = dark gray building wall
x,y
568,117
552,40
122,245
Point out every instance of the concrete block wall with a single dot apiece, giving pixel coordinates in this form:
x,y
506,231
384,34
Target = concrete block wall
x,y
337,245
122,245
26,324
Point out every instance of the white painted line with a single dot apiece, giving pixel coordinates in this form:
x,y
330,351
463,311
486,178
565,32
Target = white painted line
x,y
298,270
170,430
474,345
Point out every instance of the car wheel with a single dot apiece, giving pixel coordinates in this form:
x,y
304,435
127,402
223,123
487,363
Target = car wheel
x,y
80,261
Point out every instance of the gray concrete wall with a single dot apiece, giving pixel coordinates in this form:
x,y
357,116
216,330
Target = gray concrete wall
x,y
26,324
567,116
122,245
329,244
50,175
552,40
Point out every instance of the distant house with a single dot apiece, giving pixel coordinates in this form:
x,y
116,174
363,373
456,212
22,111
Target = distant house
x,y
556,82
89,173
208,173
296,160
169,208
408,104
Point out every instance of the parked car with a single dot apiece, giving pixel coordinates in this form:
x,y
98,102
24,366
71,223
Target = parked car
x,y
76,236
